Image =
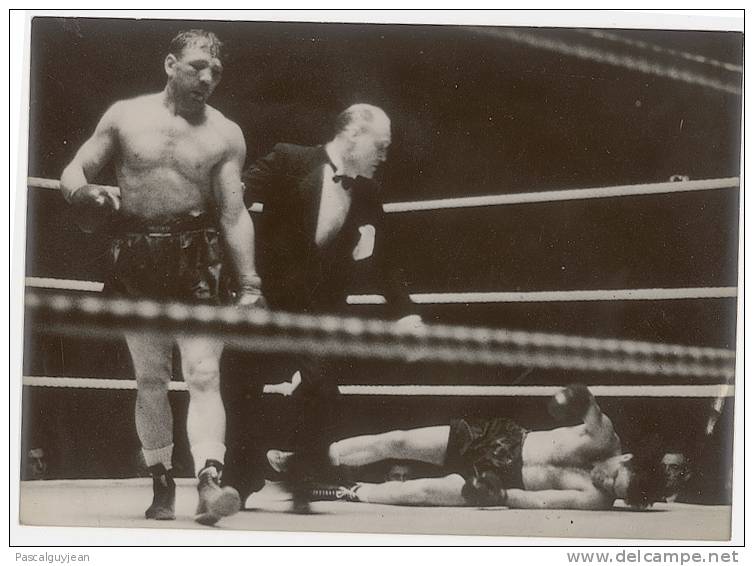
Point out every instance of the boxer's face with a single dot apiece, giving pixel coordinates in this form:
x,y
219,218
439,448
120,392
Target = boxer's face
x,y
369,145
193,75
613,475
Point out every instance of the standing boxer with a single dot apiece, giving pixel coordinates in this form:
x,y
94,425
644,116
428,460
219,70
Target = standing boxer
x,y
178,206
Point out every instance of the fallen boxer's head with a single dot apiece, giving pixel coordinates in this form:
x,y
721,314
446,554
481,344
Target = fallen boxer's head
x,y
638,479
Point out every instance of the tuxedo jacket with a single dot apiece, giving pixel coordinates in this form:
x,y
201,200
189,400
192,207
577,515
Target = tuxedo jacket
x,y
297,275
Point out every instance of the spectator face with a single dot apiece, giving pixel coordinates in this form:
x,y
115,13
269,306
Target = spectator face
x,y
37,463
676,471
398,472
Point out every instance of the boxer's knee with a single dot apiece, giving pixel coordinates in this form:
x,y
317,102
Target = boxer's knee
x,y
395,442
202,374
154,376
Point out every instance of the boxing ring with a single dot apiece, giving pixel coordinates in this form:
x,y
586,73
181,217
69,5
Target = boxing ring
x,y
75,308
650,372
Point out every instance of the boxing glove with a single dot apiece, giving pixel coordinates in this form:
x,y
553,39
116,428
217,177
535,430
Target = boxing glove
x,y
484,489
570,403
94,207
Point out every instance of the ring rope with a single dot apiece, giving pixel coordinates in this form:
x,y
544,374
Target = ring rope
x,y
324,346
266,331
695,57
147,309
64,284
565,195
518,198
557,296
467,298
686,391
639,64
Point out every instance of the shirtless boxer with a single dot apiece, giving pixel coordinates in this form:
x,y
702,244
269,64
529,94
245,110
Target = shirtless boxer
x,y
178,163
496,462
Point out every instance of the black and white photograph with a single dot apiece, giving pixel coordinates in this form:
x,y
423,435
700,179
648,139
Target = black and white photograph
x,y
382,277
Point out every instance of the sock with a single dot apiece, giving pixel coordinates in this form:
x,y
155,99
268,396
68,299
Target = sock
x,y
333,454
155,456
218,467
207,451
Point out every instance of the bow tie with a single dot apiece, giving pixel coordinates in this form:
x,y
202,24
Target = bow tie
x,y
346,182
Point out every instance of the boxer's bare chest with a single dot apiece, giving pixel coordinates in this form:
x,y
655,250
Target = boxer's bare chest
x,y
563,458
165,163
156,140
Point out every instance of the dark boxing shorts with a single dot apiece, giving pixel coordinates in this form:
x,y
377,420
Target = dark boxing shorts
x,y
179,262
476,446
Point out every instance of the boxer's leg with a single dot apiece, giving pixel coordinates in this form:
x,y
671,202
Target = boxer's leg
x,y
152,361
200,361
427,444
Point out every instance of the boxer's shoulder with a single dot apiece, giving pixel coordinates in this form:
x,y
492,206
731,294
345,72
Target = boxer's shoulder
x,y
127,107
130,111
225,129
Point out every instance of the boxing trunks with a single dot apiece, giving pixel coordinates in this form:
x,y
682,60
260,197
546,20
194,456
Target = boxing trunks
x,y
476,446
180,261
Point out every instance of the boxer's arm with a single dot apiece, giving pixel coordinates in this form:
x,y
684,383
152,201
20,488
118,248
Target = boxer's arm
x,y
425,492
576,402
92,156
555,499
598,425
235,222
596,422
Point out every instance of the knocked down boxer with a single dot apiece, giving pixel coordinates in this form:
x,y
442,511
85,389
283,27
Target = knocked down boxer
x,y
496,462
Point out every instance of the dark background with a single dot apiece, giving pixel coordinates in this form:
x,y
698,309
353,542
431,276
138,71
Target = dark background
x,y
472,114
